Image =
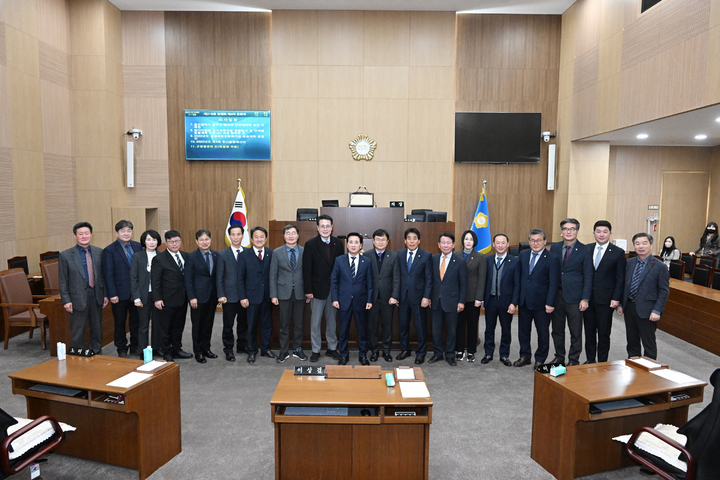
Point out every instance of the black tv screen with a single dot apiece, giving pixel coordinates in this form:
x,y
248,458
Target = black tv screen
x,y
497,137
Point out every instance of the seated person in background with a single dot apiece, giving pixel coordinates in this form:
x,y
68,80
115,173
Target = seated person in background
x,y
669,251
708,241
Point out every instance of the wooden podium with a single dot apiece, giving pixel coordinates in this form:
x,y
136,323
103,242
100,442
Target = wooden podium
x,y
355,445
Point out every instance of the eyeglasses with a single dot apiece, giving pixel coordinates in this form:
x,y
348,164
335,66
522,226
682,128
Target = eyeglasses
x,y
172,242
569,229
537,241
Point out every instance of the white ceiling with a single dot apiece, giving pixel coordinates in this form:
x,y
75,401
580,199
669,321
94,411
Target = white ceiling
x,y
536,7
678,130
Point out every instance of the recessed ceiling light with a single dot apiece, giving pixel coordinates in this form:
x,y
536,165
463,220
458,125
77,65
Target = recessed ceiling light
x,y
642,136
717,119
700,137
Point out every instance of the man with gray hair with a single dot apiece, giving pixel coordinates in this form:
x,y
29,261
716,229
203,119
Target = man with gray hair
x,y
539,276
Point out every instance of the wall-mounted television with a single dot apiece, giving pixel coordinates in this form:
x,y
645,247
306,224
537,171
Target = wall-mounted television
x,y
227,135
497,137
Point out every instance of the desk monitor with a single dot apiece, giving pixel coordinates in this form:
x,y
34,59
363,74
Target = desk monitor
x,y
331,203
227,135
306,214
436,216
421,211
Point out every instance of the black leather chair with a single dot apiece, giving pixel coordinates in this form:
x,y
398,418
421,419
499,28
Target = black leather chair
x,y
707,261
689,262
18,262
514,250
715,284
702,275
677,270
701,449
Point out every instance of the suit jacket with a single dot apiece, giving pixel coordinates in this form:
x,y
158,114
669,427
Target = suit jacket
x,y
713,246
227,275
386,281
609,278
283,278
476,273
509,282
168,282
452,289
317,267
654,287
73,283
116,269
417,283
254,276
348,291
577,273
140,277
200,283
539,288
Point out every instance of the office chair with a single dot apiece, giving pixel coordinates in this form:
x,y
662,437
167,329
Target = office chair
x,y
677,270
49,255
689,261
700,450
707,260
51,276
702,275
18,262
17,305
32,440
715,285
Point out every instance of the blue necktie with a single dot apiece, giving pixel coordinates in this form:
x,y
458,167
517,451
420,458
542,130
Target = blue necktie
x,y
293,260
533,261
128,253
409,262
352,267
208,260
497,265
636,279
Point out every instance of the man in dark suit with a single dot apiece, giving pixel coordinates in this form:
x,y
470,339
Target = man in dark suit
x,y
167,279
254,292
539,276
608,282
415,289
647,287
201,287
386,291
288,292
229,296
351,289
82,288
573,294
449,287
502,293
318,261
117,258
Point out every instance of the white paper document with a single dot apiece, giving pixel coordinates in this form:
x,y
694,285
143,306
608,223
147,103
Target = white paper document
x,y
414,390
129,380
645,363
150,366
405,374
674,376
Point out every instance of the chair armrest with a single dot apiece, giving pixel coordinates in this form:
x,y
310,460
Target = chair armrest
x,y
57,437
39,297
632,451
26,305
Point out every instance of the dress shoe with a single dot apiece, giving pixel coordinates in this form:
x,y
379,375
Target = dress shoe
x,y
251,358
180,353
559,361
506,361
451,361
486,359
200,358
403,355
268,353
572,363
364,361
299,354
344,361
521,362
459,355
122,354
282,357
210,354
229,357
167,357
374,357
435,359
315,357
538,364
470,357
420,359
135,351
334,354
387,357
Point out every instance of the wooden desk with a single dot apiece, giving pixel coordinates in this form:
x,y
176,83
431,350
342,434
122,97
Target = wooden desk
x,y
568,441
143,434
692,313
357,447
59,321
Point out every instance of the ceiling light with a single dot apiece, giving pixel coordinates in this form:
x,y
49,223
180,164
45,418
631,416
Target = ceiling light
x,y
717,119
642,136
700,137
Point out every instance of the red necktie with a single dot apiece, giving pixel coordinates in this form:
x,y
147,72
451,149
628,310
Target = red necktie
x,y
260,254
91,270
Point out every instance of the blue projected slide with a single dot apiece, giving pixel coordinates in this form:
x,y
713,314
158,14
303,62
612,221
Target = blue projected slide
x,y
227,135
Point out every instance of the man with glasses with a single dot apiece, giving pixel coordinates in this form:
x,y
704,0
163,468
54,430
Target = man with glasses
x,y
167,278
539,275
574,293
318,262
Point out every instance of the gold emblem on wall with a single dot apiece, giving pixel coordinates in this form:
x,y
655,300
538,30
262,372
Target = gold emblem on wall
x,y
362,147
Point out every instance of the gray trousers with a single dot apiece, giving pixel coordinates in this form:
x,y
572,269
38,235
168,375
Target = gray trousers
x,y
92,315
318,308
291,311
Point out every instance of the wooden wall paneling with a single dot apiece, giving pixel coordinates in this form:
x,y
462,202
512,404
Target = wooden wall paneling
x,y
60,193
387,122
143,38
295,37
20,17
339,121
586,69
382,29
339,39
680,190
430,44
684,66
56,129
3,46
587,37
7,197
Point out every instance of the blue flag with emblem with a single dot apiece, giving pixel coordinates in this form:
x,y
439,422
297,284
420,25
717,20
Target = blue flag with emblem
x,y
481,224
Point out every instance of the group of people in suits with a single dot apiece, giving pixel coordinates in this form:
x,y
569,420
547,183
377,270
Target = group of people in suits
x,y
568,285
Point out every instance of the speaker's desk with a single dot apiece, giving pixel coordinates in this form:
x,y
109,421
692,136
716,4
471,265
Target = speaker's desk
x,y
381,445
143,433
568,441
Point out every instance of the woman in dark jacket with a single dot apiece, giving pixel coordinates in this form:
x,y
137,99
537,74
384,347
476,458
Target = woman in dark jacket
x,y
467,324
